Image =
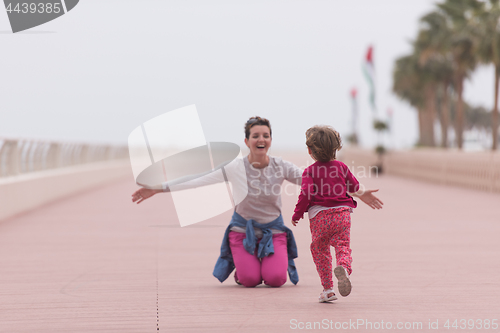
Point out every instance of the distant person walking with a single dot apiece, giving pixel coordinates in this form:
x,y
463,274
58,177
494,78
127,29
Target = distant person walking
x,y
326,190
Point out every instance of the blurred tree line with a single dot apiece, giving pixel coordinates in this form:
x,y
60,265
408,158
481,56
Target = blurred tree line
x,y
452,41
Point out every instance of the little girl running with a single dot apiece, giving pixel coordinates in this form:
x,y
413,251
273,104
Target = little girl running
x,y
326,194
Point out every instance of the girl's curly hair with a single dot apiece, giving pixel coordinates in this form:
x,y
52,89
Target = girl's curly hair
x,y
324,142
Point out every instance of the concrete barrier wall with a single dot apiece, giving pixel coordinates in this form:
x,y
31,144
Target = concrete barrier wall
x,y
359,157
31,190
20,156
478,170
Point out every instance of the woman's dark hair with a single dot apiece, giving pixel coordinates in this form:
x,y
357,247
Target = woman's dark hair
x,y
324,142
256,121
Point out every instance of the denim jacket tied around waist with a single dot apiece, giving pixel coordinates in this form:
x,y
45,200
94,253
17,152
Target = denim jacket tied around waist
x,y
225,265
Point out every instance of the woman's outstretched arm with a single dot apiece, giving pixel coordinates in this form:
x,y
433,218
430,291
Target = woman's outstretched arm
x,y
235,169
178,184
144,193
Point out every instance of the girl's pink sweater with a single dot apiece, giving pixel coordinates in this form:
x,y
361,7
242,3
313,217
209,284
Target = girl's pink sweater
x,y
326,184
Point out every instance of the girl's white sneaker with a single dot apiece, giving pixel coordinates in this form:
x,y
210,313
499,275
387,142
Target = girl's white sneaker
x,y
344,282
323,297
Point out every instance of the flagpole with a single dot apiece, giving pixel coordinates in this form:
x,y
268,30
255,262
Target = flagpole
x,y
369,71
354,103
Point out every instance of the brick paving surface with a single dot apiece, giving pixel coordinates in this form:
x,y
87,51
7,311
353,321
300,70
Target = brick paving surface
x,y
96,262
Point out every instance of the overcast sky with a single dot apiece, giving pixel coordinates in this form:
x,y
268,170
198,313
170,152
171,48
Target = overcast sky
x,y
98,72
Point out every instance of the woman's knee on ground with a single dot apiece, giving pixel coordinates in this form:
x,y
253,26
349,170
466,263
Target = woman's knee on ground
x,y
274,279
250,279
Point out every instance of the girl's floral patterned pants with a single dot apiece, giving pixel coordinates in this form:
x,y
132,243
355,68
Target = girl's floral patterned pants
x,y
331,227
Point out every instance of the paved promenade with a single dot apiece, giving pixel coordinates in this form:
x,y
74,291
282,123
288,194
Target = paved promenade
x,y
95,262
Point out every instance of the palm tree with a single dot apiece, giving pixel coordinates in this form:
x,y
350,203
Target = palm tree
x,y
431,47
462,48
487,27
430,68
408,84
444,110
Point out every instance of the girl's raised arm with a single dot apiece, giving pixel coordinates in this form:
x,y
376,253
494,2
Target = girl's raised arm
x,y
368,198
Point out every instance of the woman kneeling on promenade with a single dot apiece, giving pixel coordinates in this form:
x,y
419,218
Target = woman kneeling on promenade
x,y
256,241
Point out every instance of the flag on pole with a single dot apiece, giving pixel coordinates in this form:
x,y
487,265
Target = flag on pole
x,y
353,137
369,71
389,118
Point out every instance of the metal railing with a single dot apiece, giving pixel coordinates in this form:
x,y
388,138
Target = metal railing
x,y
24,156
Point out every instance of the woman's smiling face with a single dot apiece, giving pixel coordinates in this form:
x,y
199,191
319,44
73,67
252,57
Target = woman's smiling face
x,y
259,140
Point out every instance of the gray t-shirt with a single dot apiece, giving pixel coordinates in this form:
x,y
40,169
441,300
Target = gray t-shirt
x,y
263,202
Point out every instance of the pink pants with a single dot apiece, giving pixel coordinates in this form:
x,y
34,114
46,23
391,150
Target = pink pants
x,y
251,270
331,227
